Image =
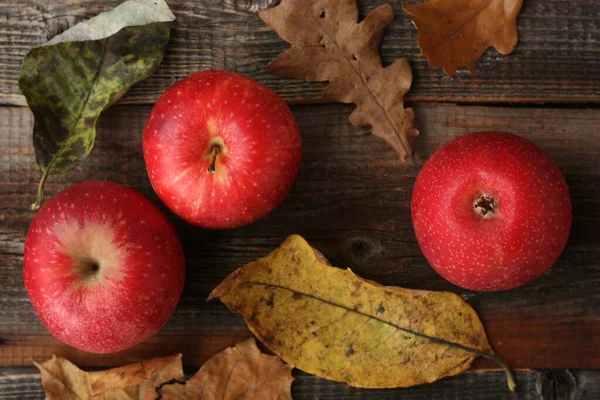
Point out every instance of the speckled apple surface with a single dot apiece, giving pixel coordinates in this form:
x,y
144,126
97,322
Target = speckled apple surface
x,y
103,267
257,142
491,211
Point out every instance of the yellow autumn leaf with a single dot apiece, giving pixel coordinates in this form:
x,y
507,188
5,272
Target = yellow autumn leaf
x,y
240,372
63,380
333,324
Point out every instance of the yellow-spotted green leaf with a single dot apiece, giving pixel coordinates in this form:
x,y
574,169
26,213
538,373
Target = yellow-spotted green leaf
x,y
331,323
71,79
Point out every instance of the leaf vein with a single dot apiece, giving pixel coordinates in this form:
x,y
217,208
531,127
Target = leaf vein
x,y
372,95
410,331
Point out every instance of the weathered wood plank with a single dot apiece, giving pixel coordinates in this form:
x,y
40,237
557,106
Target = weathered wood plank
x,y
481,385
351,201
25,383
557,59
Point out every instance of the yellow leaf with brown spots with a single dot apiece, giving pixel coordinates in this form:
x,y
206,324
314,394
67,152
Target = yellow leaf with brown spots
x,y
63,380
336,325
240,372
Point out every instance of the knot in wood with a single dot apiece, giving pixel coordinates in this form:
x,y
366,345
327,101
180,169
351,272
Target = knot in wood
x,y
361,249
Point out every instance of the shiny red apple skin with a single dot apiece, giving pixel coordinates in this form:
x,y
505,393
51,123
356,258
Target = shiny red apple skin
x,y
260,149
140,274
527,230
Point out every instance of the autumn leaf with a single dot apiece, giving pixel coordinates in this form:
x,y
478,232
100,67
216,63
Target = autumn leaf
x,y
62,380
331,323
329,45
240,372
72,79
453,33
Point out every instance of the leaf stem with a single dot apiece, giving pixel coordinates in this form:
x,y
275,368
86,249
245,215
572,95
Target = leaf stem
x,y
510,379
40,191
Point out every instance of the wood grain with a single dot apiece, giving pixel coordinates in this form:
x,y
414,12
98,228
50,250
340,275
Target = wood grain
x,y
351,199
24,384
557,58
362,221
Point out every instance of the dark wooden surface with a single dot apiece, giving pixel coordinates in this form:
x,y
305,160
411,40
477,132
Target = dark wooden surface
x,y
352,196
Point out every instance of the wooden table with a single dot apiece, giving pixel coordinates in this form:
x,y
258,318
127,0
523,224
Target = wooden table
x,y
352,196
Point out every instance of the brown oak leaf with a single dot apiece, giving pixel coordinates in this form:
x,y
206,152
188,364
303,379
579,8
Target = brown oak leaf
x,y
453,33
329,45
63,380
240,372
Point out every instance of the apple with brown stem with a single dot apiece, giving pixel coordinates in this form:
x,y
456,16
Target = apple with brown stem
x,y
103,267
221,149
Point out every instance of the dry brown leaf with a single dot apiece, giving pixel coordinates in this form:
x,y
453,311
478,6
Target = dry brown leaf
x,y
329,45
240,372
453,33
62,379
334,324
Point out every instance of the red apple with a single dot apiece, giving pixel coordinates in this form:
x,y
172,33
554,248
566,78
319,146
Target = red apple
x,y
103,267
221,149
491,211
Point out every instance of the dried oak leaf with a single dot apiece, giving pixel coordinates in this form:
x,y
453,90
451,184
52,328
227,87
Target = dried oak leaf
x,y
453,33
329,45
240,372
62,379
336,325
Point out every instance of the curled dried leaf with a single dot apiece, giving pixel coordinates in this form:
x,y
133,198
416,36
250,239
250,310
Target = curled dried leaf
x,y
240,372
63,380
453,33
334,324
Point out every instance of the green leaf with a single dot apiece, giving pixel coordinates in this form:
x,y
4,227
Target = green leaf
x,y
70,80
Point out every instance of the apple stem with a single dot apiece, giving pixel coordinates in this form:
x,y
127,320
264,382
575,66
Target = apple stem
x,y
213,159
